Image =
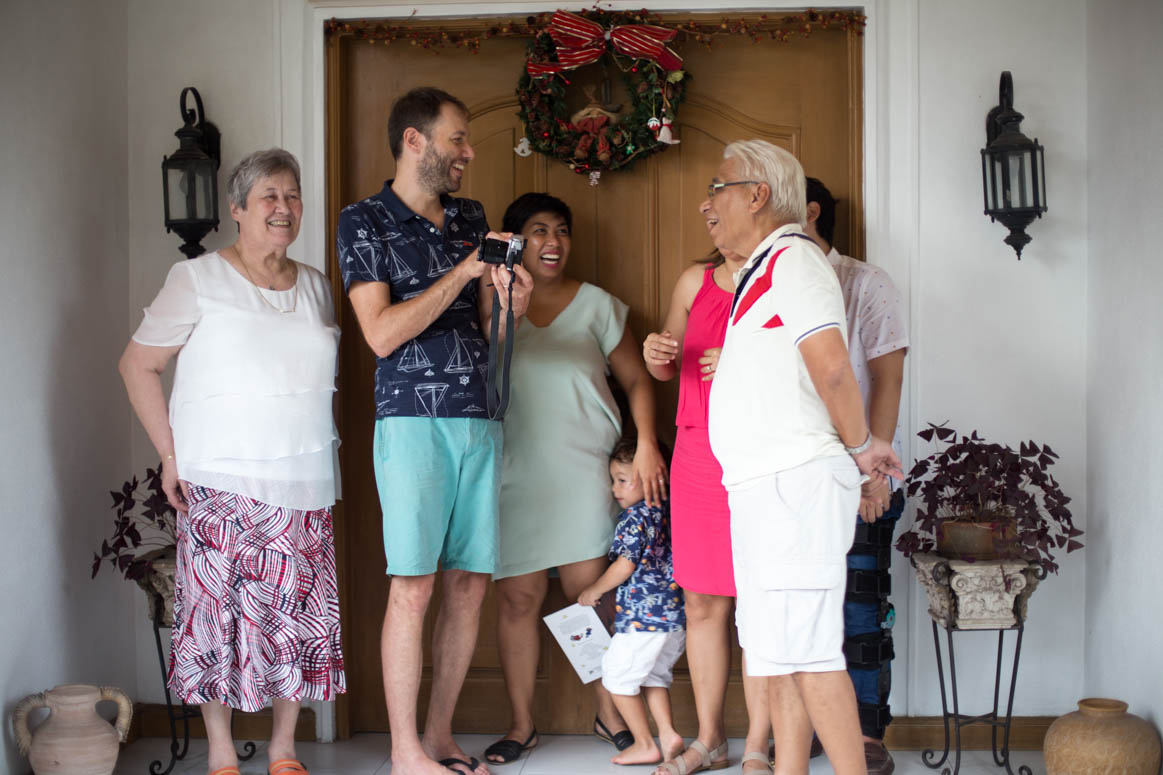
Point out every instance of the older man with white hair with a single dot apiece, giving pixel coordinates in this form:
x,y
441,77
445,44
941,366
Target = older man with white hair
x,y
788,426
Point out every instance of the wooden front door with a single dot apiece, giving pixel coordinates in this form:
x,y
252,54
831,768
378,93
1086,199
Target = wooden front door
x,y
633,234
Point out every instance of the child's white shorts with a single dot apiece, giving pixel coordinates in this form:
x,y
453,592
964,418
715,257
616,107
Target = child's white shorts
x,y
790,534
637,659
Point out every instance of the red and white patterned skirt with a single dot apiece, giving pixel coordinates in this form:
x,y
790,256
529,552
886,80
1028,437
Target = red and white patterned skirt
x,y
256,609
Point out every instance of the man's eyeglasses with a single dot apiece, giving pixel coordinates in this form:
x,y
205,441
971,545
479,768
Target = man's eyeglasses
x,y
715,188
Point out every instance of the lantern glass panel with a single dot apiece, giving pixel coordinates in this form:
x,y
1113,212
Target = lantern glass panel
x,y
1012,179
999,181
1020,178
1039,177
190,189
178,188
992,183
206,183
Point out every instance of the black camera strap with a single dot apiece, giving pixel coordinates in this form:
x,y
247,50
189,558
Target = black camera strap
x,y
497,407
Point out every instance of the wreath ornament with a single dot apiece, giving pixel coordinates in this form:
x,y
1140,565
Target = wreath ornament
x,y
600,136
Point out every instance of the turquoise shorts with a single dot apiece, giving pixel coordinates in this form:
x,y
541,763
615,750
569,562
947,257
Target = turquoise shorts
x,y
439,480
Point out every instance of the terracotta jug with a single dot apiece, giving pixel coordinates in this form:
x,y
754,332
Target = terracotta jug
x,y
74,739
1101,738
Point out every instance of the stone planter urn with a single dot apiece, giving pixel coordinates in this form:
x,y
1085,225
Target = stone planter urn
x,y
982,595
74,739
160,582
1101,738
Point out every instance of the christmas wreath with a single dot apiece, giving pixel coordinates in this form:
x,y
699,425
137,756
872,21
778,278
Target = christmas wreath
x,y
600,136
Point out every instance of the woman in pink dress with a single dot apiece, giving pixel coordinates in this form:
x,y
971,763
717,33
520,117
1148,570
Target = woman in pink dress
x,y
689,346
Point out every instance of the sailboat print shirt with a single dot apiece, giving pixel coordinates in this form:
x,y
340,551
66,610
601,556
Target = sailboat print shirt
x,y
442,372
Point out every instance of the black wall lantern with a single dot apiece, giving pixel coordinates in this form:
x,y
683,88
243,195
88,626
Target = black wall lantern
x,y
190,177
1013,173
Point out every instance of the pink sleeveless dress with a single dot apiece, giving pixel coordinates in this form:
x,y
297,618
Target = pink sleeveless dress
x,y
700,519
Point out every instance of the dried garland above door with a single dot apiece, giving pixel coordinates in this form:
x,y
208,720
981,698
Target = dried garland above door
x,y
595,138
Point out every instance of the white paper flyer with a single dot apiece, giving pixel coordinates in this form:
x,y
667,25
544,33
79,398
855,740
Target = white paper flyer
x,y
582,637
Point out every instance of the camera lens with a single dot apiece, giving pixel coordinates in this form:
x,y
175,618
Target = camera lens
x,y
494,251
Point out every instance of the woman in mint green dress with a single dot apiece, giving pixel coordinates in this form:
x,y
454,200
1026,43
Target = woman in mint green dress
x,y
556,507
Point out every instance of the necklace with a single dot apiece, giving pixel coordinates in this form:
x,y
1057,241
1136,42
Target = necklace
x,y
261,295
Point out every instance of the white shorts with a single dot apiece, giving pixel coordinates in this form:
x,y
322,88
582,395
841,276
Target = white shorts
x,y
790,534
637,659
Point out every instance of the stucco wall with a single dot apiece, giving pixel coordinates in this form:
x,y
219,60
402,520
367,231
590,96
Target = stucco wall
x,y
1125,355
1000,342
63,162
1002,346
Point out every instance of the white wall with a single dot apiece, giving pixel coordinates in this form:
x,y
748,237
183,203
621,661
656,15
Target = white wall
x,y
1125,357
997,342
1000,342
63,161
226,50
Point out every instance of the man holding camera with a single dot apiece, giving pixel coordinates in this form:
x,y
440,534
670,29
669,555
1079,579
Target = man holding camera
x,y
409,261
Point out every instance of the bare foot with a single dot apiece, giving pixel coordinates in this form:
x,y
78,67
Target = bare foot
x,y
442,747
519,736
220,759
278,754
755,767
642,752
690,756
671,744
419,764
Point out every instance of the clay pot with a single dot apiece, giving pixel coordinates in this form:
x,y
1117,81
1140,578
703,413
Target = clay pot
x,y
74,739
1101,738
960,540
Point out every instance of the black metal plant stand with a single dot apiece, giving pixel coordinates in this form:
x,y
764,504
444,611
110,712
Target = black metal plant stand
x,y
956,719
183,713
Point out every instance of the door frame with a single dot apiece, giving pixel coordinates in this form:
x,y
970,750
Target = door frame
x,y
891,174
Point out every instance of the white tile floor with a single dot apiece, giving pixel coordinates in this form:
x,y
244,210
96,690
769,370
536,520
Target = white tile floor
x,y
556,755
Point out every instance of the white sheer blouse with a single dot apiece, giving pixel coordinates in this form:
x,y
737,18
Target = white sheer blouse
x,y
251,403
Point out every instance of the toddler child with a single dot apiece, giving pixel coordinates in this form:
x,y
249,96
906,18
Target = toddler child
x,y
649,622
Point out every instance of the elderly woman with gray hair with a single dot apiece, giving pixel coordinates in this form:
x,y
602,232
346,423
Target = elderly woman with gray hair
x,y
248,460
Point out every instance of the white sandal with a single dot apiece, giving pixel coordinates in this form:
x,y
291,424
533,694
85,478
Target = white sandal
x,y
756,756
678,766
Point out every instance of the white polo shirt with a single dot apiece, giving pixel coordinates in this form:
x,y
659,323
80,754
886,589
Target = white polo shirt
x,y
765,414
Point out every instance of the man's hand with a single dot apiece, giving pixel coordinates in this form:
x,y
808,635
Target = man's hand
x,y
522,288
879,461
874,499
589,596
472,263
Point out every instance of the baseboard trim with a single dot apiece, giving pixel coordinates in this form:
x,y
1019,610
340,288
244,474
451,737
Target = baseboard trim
x,y
906,733
916,733
151,720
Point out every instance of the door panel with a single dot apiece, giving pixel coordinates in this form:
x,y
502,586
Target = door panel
x,y
633,234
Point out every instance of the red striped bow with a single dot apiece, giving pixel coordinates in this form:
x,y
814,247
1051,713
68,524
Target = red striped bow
x,y
582,42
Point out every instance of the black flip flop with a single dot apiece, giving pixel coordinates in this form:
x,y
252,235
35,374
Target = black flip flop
x,y
452,762
510,750
621,741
